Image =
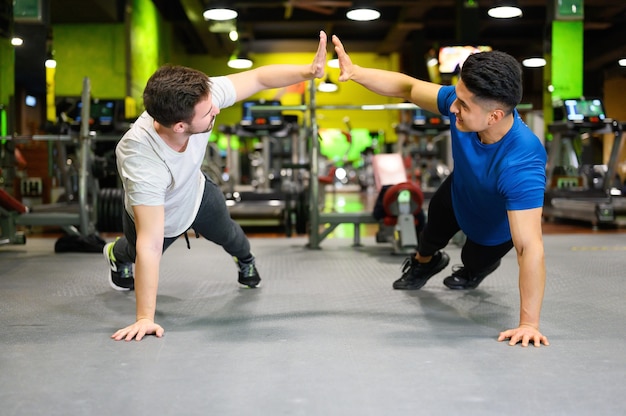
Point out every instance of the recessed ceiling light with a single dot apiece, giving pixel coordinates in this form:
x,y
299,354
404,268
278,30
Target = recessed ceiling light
x,y
535,62
327,86
219,14
362,12
505,10
334,62
239,61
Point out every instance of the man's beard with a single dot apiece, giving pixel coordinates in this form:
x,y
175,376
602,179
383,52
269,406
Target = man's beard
x,y
207,130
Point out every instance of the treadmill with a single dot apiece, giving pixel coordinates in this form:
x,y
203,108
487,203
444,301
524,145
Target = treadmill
x,y
263,204
579,187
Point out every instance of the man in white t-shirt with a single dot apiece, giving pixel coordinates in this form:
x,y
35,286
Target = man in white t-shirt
x,y
165,191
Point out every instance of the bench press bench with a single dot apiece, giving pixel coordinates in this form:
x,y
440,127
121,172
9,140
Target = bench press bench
x,y
333,219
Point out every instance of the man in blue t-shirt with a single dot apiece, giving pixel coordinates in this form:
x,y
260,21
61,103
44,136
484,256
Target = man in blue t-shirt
x,y
495,193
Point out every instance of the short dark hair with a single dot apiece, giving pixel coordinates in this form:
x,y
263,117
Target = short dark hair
x,y
173,91
494,75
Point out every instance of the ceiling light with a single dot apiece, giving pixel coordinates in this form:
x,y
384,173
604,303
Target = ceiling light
x,y
535,62
50,61
239,61
622,62
15,41
505,10
334,63
327,86
432,62
362,12
219,12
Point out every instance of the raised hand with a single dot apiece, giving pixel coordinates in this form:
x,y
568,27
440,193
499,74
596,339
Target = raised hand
x,y
319,62
346,67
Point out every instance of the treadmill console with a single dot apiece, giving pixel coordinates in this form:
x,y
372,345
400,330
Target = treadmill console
x,y
103,115
261,119
423,119
588,112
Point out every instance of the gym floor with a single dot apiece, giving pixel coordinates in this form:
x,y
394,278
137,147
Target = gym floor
x,y
324,334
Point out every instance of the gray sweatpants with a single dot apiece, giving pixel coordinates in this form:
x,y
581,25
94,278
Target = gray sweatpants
x,y
213,222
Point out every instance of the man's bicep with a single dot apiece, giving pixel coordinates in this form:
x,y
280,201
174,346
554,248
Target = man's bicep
x,y
525,226
150,222
425,95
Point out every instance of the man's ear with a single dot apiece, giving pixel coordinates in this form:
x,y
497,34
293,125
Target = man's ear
x,y
178,127
497,115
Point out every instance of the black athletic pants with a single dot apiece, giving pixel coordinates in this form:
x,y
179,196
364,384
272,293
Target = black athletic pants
x,y
441,226
213,222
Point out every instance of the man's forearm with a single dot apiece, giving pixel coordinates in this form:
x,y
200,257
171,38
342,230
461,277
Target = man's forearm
x,y
380,81
281,75
146,284
532,280
395,84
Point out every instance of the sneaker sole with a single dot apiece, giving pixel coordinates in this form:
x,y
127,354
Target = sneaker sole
x,y
116,287
474,284
250,284
110,278
421,284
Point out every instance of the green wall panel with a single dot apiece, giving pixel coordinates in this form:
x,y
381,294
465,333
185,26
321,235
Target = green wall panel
x,y
99,52
567,59
94,51
145,45
7,71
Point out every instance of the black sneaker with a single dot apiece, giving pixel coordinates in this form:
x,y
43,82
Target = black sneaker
x,y
462,278
416,274
248,273
120,274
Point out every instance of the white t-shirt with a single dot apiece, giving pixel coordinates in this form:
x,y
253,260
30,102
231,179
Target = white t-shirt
x,y
154,174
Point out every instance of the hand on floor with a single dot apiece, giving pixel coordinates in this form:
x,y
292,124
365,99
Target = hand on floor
x,y
524,334
138,330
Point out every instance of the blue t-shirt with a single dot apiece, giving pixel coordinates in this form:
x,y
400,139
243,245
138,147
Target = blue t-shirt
x,y
489,180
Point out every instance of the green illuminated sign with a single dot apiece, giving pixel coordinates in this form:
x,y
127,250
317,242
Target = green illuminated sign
x,y
569,10
28,11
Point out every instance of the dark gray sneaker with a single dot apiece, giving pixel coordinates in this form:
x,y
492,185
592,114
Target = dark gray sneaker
x,y
120,274
416,274
462,278
248,273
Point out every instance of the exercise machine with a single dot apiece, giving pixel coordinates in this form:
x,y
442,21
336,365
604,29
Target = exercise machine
x,y
10,209
424,141
579,186
399,205
79,221
277,194
79,207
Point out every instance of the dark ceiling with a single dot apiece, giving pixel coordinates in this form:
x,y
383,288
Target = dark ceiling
x,y
407,26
